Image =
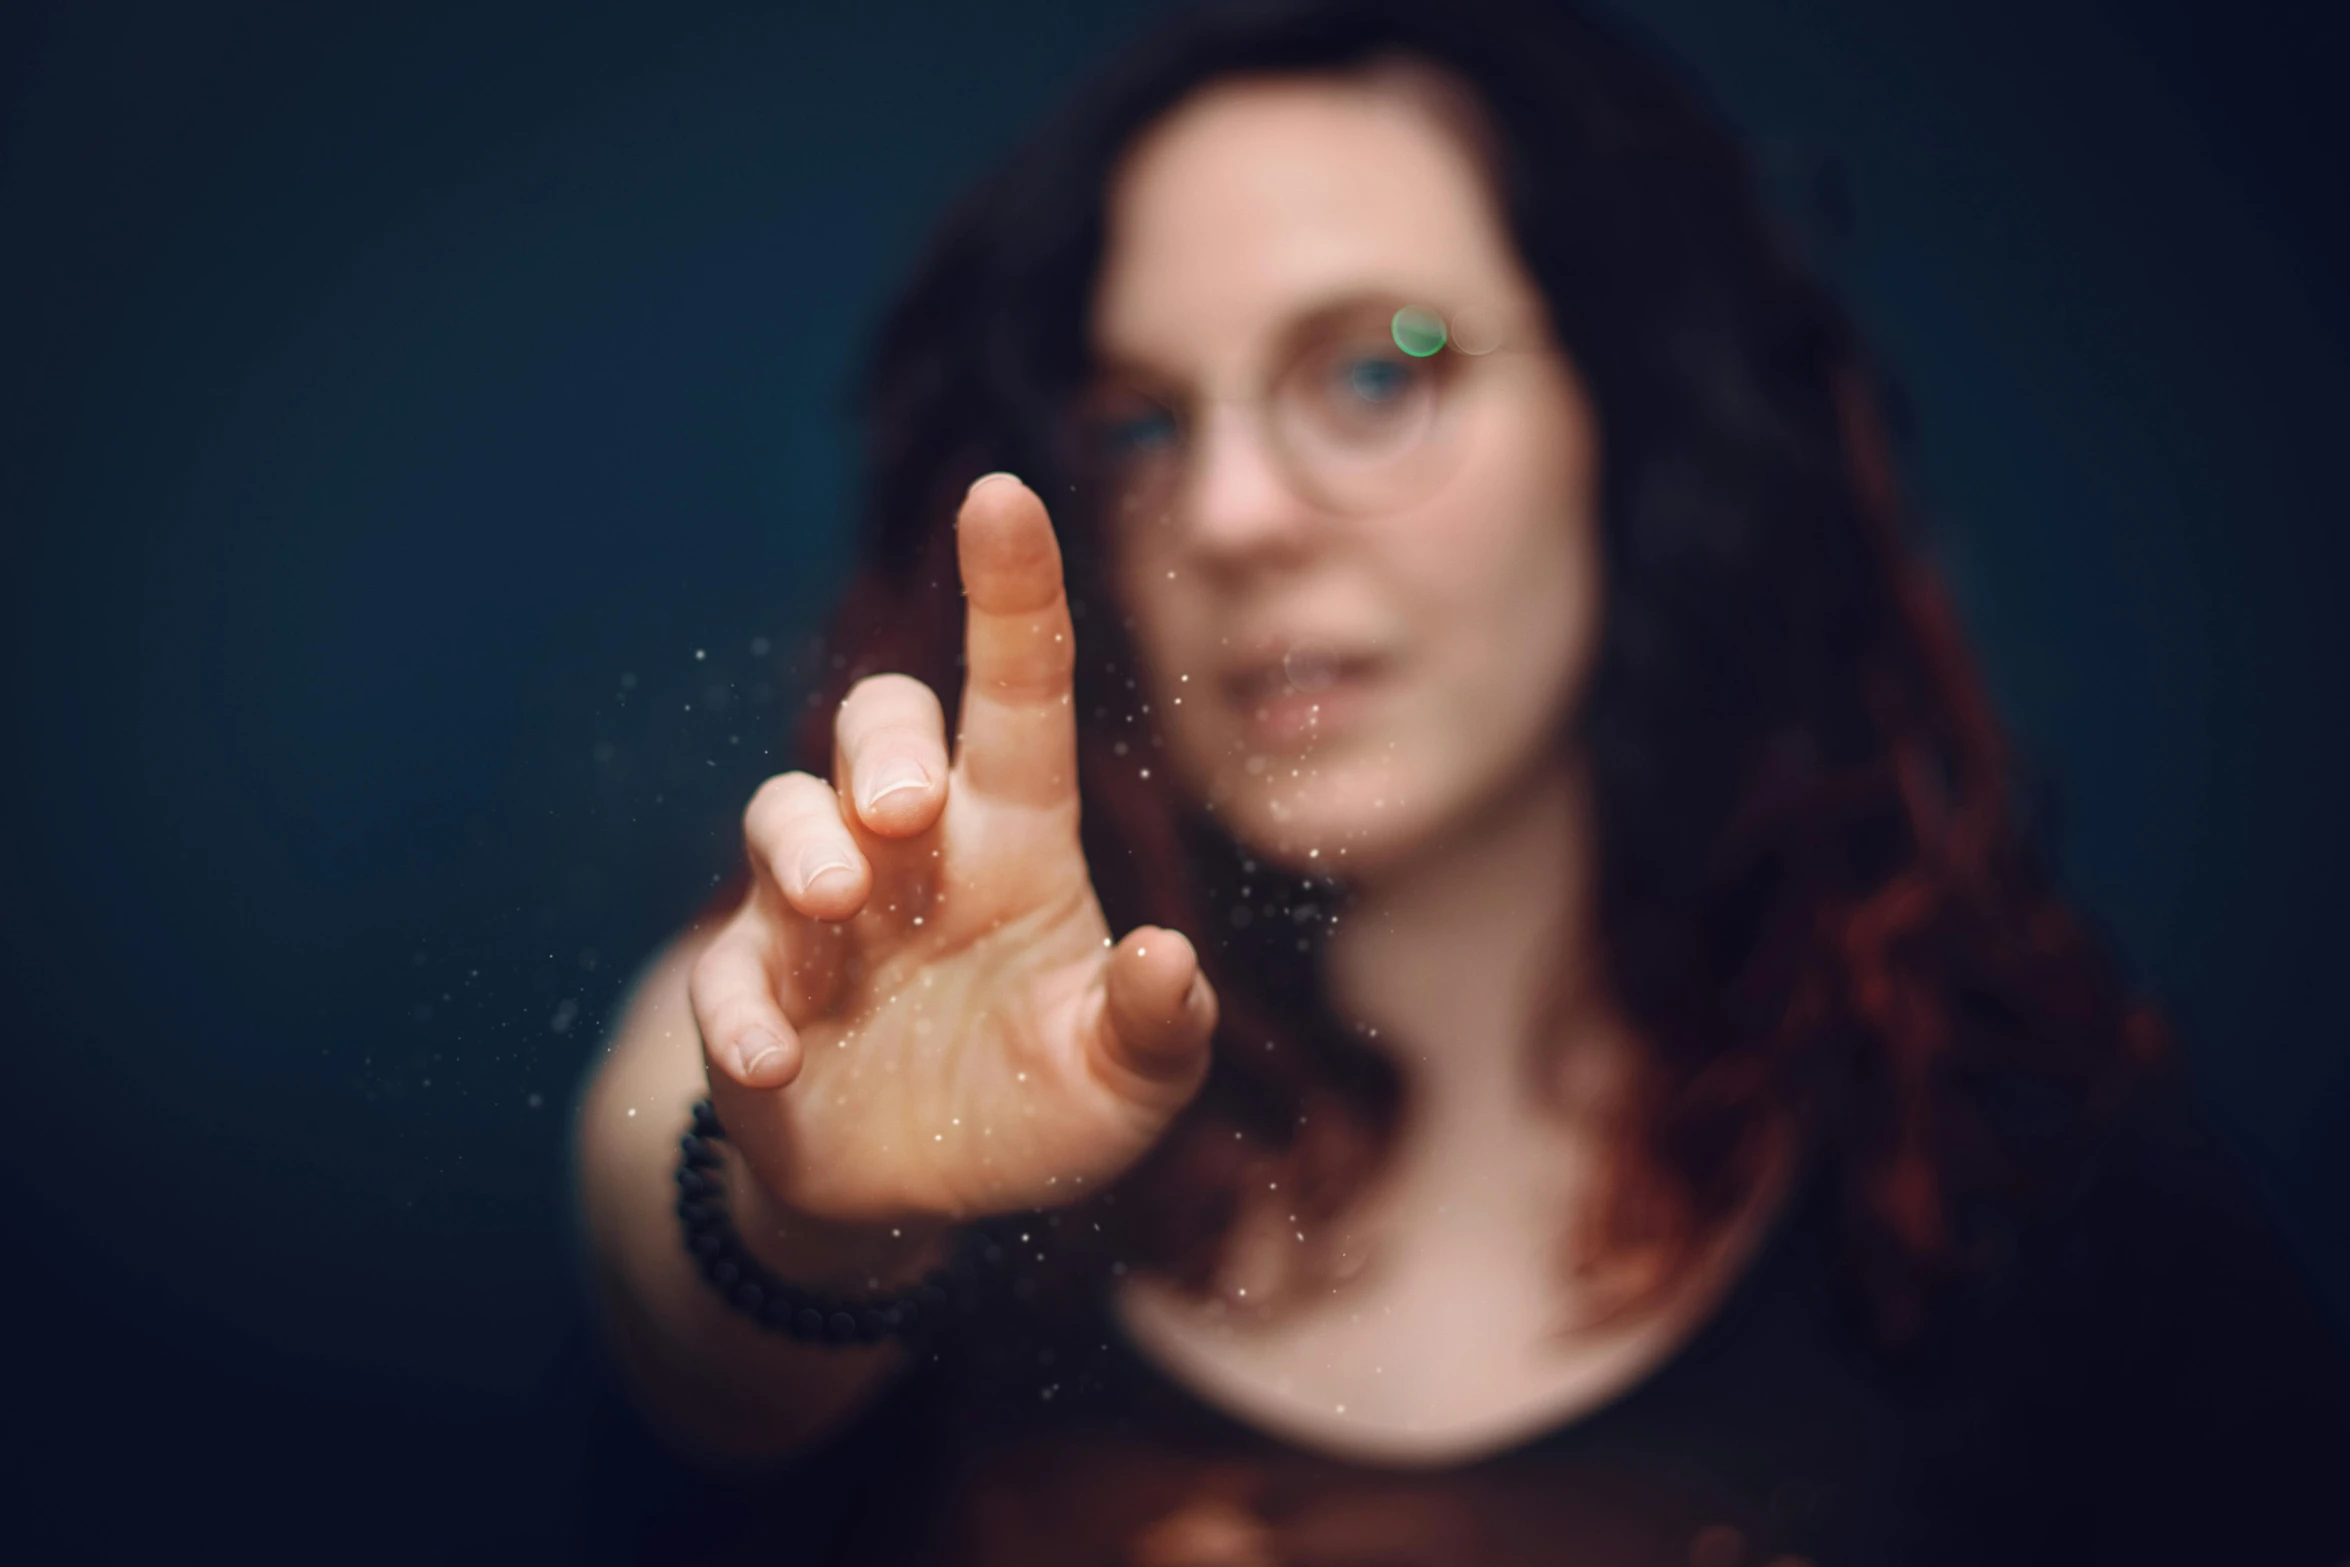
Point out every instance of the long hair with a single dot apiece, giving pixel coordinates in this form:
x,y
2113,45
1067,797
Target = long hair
x,y
1813,896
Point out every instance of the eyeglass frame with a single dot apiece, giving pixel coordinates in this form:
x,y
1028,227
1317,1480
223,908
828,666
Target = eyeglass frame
x,y
1471,333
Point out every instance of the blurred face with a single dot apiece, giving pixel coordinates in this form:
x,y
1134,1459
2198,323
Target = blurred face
x,y
1350,481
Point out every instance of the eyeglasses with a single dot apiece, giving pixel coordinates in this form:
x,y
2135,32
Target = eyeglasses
x,y
1362,413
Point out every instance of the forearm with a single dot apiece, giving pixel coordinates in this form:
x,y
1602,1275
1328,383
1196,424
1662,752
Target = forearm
x,y
717,1382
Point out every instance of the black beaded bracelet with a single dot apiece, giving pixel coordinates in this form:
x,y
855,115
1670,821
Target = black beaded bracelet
x,y
751,1287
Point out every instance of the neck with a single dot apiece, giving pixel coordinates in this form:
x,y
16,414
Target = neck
x,y
1452,954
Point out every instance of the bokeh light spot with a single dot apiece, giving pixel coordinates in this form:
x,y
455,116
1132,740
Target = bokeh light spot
x,y
1476,330
1417,332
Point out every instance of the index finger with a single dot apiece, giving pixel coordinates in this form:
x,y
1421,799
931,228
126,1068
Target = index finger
x,y
1019,724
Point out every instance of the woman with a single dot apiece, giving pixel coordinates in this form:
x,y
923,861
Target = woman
x,y
1471,901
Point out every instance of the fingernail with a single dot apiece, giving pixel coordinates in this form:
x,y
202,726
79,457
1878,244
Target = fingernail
x,y
888,779
819,863
988,478
757,1050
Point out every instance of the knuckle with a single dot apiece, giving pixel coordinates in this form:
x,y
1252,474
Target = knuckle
x,y
889,686
881,701
726,990
772,805
705,983
867,692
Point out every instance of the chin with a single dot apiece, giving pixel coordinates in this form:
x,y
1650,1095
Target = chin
x,y
1340,821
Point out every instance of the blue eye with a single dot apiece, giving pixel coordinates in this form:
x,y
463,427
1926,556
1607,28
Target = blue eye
x,y
1144,432
1374,380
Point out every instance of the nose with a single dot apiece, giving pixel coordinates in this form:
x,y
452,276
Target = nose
x,y
1241,508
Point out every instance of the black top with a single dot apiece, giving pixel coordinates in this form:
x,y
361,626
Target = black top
x,y
2147,1380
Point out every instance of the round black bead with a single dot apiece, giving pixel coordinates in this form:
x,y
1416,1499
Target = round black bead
x,y
785,1307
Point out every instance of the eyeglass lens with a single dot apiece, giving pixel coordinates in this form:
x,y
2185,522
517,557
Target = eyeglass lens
x,y
1352,416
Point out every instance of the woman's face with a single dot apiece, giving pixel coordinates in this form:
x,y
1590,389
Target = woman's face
x,y
1346,670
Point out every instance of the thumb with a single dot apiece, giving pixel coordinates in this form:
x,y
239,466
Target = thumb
x,y
1158,1014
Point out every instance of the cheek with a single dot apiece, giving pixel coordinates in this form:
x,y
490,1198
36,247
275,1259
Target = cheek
x,y
1507,597
1535,629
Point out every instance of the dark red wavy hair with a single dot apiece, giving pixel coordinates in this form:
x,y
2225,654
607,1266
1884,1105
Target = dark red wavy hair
x,y
1815,903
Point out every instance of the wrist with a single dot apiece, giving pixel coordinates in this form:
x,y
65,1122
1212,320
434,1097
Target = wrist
x,y
830,1253
778,1283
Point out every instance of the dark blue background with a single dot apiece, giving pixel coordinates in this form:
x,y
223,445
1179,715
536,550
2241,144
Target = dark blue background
x,y
423,463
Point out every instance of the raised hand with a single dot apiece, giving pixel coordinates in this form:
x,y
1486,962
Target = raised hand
x,y
918,1011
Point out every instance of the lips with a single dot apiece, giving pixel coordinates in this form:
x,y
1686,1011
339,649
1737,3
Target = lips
x,y
1299,688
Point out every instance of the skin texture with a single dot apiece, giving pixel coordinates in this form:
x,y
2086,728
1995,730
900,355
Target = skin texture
x,y
919,1014
1476,606
1438,785
922,962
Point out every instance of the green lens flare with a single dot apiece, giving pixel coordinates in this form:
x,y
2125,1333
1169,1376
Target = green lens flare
x,y
1418,333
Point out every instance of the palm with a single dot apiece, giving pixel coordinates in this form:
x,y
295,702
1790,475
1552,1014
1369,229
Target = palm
x,y
967,1040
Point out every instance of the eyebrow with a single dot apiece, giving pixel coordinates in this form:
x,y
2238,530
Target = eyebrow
x,y
1293,334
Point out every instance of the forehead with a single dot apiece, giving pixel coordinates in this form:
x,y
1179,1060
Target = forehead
x,y
1255,201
